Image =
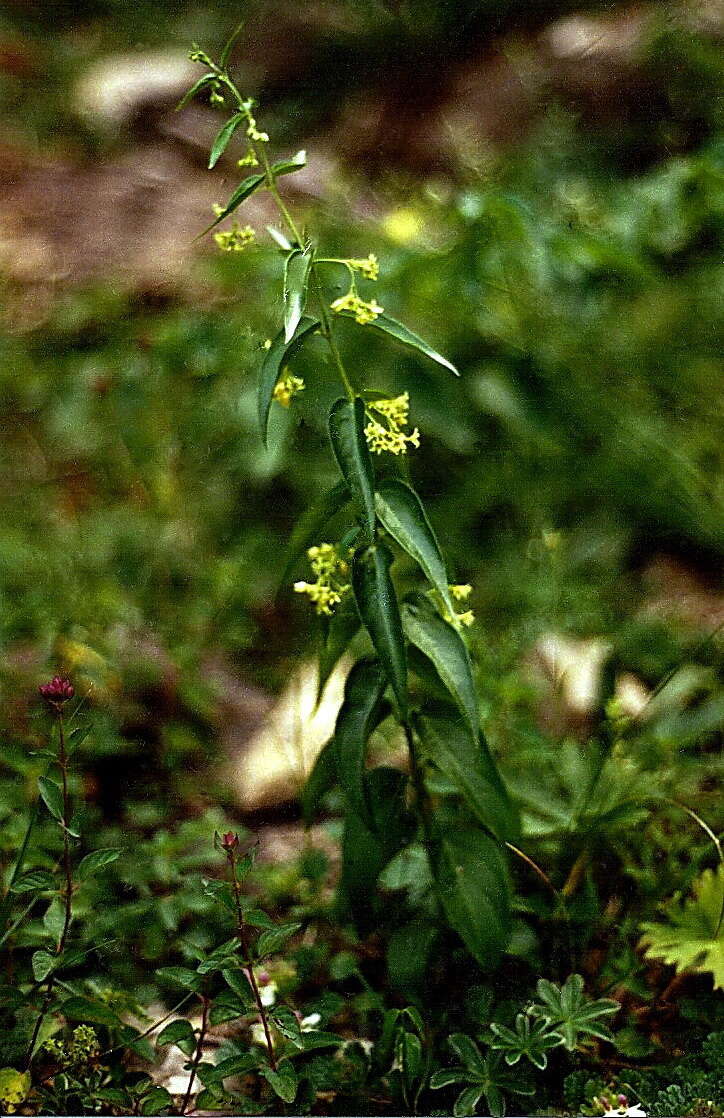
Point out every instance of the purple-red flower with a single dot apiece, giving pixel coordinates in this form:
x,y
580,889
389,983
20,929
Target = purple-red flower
x,y
230,840
58,690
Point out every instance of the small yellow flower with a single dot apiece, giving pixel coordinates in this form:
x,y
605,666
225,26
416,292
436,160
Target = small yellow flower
x,y
389,436
369,267
254,134
286,387
235,239
328,590
364,312
460,592
248,160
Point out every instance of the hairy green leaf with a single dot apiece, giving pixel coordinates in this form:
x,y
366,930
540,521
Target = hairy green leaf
x,y
568,1011
377,604
179,1033
229,45
349,443
273,939
33,881
279,352
42,963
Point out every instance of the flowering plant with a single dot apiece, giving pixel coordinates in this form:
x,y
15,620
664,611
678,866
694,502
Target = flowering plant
x,y
416,635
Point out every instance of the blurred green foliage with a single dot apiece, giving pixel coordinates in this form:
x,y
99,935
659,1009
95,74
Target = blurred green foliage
x,y
143,523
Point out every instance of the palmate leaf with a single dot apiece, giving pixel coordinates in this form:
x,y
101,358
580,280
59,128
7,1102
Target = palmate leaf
x,y
567,1010
693,936
531,1039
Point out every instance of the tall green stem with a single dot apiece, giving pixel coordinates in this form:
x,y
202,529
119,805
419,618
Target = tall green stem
x,y
271,185
241,935
68,875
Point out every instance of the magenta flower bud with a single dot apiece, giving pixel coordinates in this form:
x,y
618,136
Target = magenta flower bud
x,y
230,840
57,690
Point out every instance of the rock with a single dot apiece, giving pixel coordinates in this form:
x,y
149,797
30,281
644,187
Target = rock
x,y
116,89
276,761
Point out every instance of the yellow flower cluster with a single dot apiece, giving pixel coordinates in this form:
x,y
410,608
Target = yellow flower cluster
x,y
461,592
389,436
327,591
363,312
286,387
235,239
248,160
254,134
368,267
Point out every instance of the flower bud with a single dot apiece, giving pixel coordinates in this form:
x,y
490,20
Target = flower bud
x,y
57,690
229,841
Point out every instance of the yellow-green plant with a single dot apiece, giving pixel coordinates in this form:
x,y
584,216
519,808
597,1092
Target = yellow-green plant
x,y
419,634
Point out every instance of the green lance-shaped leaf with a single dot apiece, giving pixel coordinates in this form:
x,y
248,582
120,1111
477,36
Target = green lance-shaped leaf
x,y
95,861
198,85
309,526
400,510
90,1012
229,45
242,192
288,166
391,326
471,881
296,281
338,632
467,762
377,604
349,443
321,779
279,352
357,717
223,136
444,646
283,1080
52,796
